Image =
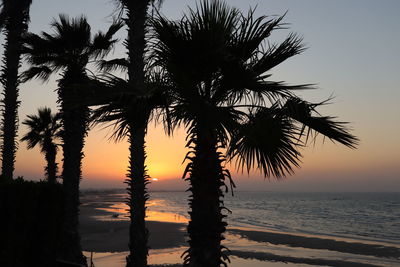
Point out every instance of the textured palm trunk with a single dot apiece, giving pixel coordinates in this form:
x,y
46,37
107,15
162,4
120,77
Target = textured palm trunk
x,y
206,224
74,121
50,155
10,80
137,181
137,178
137,16
73,137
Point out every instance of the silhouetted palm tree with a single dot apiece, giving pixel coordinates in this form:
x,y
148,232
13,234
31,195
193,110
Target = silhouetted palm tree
x,y
43,129
218,65
136,21
14,19
68,50
130,113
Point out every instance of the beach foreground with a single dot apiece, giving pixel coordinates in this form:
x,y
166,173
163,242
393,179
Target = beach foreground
x,y
104,228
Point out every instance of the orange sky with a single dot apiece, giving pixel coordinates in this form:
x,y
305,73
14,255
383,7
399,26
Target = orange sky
x,y
105,163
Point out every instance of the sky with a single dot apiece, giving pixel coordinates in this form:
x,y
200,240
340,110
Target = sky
x,y
352,55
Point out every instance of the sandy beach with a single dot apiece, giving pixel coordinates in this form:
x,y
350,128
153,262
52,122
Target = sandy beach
x,y
112,235
106,236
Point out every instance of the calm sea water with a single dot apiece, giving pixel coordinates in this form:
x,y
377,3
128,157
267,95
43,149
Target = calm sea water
x,y
364,216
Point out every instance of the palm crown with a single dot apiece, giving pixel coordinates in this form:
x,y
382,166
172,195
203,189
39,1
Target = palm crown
x,y
44,126
43,130
217,60
70,47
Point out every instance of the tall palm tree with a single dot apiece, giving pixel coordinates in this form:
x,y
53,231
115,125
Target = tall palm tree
x,y
43,129
218,64
14,19
130,112
136,20
68,50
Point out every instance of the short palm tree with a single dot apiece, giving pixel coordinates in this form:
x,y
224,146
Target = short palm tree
x,y
43,130
68,50
216,61
14,19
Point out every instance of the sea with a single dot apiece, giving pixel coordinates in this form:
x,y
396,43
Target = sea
x,y
363,216
353,217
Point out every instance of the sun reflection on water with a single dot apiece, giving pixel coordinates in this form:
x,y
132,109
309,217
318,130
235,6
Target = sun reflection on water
x,y
122,210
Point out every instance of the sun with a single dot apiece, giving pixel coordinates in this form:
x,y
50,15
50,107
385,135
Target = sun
x,y
154,179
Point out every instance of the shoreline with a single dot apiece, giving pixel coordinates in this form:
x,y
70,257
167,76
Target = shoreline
x,y
112,235
107,237
321,243
171,234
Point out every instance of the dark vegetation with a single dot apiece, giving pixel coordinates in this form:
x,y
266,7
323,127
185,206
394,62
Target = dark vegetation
x,y
31,221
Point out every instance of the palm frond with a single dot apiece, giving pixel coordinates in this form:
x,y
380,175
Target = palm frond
x,y
113,115
306,114
103,43
117,64
276,54
93,92
69,49
251,33
41,72
71,33
42,125
275,90
266,141
32,139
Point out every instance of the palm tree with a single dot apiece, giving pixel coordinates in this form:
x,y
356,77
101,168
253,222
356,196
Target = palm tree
x,y
130,113
68,50
136,21
14,19
217,62
44,128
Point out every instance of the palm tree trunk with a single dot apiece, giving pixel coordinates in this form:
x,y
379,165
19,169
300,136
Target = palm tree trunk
x,y
137,178
51,168
10,80
137,16
206,224
75,128
137,181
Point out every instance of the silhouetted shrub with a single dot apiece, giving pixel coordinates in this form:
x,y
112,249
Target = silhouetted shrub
x,y
30,223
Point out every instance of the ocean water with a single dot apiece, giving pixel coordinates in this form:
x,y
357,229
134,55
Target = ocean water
x,y
363,219
360,216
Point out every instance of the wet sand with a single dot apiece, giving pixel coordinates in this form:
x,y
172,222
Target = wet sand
x,y
107,237
275,238
112,235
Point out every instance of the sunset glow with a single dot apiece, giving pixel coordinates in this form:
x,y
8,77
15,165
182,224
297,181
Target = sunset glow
x,y
354,84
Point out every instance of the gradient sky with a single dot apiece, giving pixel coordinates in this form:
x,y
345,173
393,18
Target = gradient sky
x,y
352,54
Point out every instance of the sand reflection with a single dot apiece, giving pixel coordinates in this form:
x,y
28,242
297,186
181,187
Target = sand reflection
x,y
120,211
